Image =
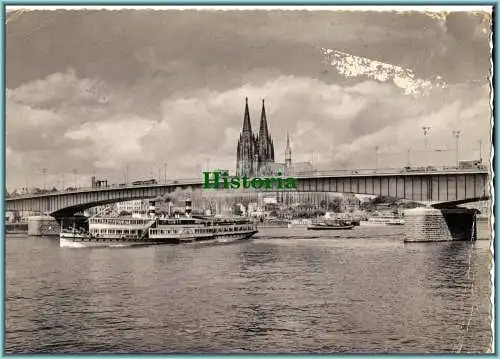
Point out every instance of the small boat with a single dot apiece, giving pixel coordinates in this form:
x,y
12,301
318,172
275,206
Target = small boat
x,y
273,223
395,222
299,223
391,220
329,225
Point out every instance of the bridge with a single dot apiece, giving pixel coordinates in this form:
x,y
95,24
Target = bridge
x,y
441,186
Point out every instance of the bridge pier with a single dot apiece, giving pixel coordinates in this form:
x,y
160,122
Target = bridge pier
x,y
426,224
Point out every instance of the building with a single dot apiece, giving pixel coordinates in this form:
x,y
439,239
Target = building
x,y
254,153
132,206
289,168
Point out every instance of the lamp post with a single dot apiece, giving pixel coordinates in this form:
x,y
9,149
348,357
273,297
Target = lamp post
x,y
75,172
408,157
44,172
376,158
165,172
426,129
480,151
457,138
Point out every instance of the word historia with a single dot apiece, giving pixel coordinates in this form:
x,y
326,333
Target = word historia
x,y
222,180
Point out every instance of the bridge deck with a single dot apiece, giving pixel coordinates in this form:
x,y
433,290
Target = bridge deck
x,y
427,185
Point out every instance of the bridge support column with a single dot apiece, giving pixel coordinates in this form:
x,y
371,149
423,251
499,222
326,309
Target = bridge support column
x,y
43,226
439,225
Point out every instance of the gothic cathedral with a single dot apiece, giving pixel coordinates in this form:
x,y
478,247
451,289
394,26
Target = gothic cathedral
x,y
255,154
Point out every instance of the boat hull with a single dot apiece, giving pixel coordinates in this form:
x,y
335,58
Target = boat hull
x,y
65,242
82,241
329,228
214,238
224,238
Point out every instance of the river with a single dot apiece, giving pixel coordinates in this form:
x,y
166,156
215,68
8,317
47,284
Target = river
x,y
285,291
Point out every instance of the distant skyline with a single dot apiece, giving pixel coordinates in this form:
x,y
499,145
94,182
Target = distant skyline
x,y
100,91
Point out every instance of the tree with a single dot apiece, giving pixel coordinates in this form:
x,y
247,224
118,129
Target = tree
x,y
335,205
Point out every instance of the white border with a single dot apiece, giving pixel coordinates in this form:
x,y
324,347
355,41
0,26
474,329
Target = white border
x,y
420,8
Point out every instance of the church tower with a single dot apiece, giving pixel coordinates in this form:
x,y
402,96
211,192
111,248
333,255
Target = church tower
x,y
246,152
288,153
265,146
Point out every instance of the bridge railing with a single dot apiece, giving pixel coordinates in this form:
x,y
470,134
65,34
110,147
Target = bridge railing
x,y
388,171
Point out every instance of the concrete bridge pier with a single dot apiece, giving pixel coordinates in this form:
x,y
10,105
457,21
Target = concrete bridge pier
x,y
427,224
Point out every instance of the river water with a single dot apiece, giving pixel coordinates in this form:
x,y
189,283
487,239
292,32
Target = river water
x,y
285,291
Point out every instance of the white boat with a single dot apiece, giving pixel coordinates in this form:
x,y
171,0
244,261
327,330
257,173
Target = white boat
x,y
330,225
299,223
396,222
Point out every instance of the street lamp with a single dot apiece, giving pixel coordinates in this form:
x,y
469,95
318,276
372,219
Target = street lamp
x,y
408,157
165,171
457,137
376,158
44,172
480,151
426,129
75,172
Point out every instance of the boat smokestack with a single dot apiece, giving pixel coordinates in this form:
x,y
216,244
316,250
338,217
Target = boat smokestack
x,y
152,209
188,207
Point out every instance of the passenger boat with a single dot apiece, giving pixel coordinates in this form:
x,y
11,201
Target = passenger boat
x,y
328,225
130,231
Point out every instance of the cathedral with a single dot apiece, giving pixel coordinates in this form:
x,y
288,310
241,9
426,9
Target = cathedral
x,y
255,153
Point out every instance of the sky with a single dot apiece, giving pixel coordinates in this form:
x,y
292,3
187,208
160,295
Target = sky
x,y
94,92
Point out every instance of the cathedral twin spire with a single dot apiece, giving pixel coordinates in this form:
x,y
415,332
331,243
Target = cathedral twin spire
x,y
254,153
